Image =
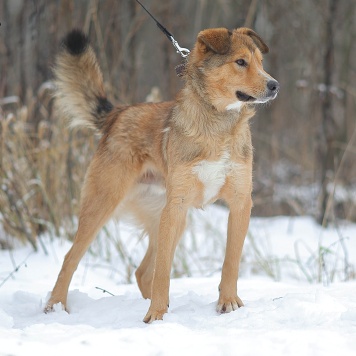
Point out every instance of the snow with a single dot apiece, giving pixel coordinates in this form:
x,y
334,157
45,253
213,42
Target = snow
x,y
284,314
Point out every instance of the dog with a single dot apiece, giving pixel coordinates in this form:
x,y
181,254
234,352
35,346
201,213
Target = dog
x,y
157,160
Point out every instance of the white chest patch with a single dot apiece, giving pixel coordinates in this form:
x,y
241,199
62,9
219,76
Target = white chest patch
x,y
213,175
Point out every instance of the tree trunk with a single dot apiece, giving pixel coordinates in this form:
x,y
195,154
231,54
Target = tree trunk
x,y
327,147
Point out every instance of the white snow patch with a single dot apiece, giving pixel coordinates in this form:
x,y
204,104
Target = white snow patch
x,y
290,318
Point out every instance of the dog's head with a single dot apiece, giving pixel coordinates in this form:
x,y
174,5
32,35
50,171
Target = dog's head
x,y
229,67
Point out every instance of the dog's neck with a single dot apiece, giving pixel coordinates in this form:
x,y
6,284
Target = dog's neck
x,y
196,117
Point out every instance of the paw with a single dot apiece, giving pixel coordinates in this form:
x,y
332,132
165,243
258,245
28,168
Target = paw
x,y
153,315
53,306
48,309
227,305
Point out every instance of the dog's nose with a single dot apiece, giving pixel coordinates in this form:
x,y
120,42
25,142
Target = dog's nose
x,y
273,86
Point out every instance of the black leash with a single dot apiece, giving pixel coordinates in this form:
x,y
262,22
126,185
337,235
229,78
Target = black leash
x,y
184,52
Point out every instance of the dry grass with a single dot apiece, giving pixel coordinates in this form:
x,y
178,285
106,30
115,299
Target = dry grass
x,y
41,169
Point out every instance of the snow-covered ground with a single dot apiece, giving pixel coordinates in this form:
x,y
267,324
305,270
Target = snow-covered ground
x,y
284,314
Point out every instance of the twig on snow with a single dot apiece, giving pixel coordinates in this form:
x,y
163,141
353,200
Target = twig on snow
x,y
23,263
105,291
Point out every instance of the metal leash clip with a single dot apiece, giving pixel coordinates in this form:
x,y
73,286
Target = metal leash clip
x,y
184,52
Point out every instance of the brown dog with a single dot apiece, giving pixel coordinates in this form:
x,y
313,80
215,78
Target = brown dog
x,y
158,160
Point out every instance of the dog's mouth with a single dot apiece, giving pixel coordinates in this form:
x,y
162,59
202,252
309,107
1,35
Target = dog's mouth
x,y
244,97
248,98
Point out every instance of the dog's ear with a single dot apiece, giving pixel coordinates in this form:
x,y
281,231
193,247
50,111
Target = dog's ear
x,y
255,37
217,40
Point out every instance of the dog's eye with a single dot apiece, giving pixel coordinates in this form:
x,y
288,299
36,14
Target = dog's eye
x,y
241,63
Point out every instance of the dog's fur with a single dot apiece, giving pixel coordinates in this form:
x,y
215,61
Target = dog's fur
x,y
158,160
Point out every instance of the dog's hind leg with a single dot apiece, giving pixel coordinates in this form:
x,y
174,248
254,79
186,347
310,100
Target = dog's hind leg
x,y
147,209
107,182
144,273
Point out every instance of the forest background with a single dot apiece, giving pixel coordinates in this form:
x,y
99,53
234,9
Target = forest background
x,y
305,141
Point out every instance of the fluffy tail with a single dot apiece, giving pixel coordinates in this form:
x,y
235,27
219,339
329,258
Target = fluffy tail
x,y
79,83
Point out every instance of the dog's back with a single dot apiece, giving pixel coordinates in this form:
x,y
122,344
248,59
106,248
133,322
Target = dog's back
x,y
81,98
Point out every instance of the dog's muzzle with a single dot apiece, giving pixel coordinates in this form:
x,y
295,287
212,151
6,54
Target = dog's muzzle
x,y
270,94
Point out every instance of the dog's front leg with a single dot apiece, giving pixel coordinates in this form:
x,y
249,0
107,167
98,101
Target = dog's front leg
x,y
172,225
239,219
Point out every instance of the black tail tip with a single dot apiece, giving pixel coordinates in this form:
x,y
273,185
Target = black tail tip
x,y
76,42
